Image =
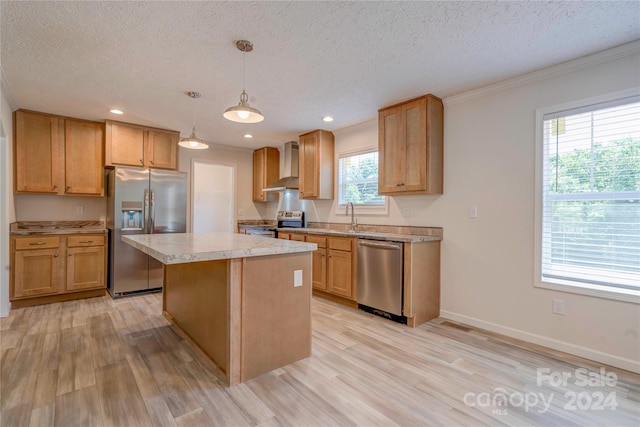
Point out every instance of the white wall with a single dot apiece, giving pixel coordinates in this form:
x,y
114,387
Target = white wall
x,y
487,263
242,160
7,213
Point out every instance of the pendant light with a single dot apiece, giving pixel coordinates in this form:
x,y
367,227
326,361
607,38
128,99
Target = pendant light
x,y
243,112
193,142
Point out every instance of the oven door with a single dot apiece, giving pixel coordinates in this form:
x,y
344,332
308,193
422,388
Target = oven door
x,y
261,232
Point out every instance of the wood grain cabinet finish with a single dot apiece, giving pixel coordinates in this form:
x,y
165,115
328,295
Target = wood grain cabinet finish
x,y
83,148
266,170
37,151
410,147
340,270
56,266
37,264
57,155
133,145
316,165
333,264
86,262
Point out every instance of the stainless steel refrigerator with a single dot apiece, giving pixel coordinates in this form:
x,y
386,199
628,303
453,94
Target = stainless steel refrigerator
x,y
141,201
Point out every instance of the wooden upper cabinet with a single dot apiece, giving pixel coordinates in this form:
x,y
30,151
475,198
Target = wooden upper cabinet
x,y
410,147
83,144
58,155
162,149
37,153
266,170
133,145
316,165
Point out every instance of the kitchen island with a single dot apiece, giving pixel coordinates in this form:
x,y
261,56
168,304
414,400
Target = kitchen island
x,y
245,301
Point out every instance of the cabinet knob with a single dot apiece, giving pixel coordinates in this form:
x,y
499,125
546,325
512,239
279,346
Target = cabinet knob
x,y
141,162
55,255
151,161
54,187
69,255
68,188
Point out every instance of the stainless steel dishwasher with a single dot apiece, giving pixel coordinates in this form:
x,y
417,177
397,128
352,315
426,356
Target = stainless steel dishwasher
x,y
380,278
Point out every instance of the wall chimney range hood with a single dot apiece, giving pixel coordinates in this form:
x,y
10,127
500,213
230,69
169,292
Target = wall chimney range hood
x,y
290,170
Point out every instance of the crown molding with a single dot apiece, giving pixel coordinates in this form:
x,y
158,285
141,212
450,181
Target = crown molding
x,y
607,55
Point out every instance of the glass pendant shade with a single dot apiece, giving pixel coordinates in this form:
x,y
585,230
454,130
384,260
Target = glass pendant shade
x,y
243,112
193,142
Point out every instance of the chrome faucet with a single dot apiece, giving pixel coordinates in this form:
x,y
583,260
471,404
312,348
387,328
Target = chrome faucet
x,y
354,222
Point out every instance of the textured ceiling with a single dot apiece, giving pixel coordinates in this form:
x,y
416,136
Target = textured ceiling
x,y
347,59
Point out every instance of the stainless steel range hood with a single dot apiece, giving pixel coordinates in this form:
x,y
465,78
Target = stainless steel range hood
x,y
290,170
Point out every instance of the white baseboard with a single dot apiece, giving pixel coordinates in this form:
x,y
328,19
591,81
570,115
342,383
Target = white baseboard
x,y
587,353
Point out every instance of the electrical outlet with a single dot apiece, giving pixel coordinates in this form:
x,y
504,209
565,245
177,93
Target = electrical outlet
x,y
558,306
297,278
79,210
406,212
473,212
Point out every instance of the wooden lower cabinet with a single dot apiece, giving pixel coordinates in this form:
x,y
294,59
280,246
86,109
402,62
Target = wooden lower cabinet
x,y
55,268
339,266
333,265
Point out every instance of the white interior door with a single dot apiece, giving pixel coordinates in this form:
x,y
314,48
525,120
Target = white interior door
x,y
213,197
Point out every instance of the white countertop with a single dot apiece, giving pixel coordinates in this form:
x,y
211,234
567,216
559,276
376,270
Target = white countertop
x,y
391,237
179,248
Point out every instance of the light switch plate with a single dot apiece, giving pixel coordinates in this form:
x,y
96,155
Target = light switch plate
x,y
297,278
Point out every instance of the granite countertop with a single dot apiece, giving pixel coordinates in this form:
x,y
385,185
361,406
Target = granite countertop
x,y
27,228
390,237
179,248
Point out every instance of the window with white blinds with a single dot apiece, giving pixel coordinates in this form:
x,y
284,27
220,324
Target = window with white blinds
x,y
358,180
591,197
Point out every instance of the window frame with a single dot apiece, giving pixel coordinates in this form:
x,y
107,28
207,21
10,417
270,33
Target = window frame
x,y
595,290
340,209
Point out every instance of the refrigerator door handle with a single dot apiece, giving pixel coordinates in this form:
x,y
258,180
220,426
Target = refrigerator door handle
x,y
152,213
145,213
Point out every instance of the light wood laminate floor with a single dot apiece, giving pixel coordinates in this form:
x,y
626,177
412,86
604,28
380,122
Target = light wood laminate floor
x,y
118,362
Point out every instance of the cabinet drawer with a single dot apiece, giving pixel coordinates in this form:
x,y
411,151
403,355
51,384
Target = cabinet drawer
x,y
85,240
340,243
24,243
320,241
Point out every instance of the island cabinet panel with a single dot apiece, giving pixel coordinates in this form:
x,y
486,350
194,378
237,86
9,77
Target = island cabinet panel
x,y
276,320
37,151
245,324
410,147
266,170
83,157
316,165
197,294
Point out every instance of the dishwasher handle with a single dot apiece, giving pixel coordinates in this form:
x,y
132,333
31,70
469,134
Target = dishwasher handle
x,y
379,245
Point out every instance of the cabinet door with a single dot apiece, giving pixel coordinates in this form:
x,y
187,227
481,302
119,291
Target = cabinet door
x,y
37,153
414,130
266,170
339,270
37,272
85,268
319,269
162,149
83,144
309,165
124,144
391,150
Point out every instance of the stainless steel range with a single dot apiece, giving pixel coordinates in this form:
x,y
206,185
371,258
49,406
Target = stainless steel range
x,y
286,219
291,219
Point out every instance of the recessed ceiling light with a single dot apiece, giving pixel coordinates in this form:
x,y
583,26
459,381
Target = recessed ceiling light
x,y
114,111
248,135
327,119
